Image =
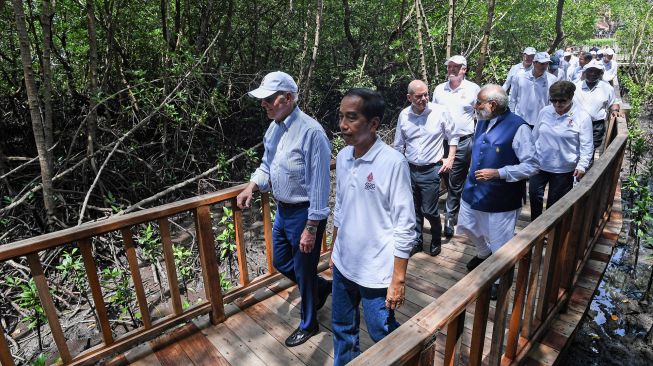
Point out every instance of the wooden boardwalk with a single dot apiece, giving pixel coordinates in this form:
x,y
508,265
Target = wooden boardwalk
x,y
256,326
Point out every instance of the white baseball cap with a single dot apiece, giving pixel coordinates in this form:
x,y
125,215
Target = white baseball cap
x,y
542,57
274,82
593,65
458,59
599,52
529,51
567,53
593,52
608,51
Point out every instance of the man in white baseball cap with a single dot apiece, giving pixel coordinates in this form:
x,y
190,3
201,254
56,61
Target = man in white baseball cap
x,y
522,67
459,95
609,65
295,166
530,91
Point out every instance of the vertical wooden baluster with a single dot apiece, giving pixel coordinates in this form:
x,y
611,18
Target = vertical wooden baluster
x,y
171,270
5,353
548,272
562,236
427,356
586,230
241,250
454,338
267,230
500,315
568,268
130,252
48,306
520,295
86,249
210,269
481,312
533,285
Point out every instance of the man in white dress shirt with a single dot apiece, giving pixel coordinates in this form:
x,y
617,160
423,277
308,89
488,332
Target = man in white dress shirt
x,y
575,75
295,166
524,66
421,130
530,91
459,95
503,157
609,66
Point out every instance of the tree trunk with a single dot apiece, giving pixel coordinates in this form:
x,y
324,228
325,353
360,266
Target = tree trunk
x,y
450,16
91,120
35,112
46,68
560,34
316,44
486,41
355,46
422,56
436,64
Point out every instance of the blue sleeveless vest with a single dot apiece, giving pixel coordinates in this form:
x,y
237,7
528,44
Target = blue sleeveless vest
x,y
493,149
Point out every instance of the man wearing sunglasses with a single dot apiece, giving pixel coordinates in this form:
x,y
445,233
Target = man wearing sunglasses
x,y
530,91
295,166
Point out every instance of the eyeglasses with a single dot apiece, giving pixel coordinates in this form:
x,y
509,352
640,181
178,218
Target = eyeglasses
x,y
271,98
420,96
562,101
480,102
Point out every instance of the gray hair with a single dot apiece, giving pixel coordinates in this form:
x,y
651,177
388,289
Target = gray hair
x,y
295,96
494,92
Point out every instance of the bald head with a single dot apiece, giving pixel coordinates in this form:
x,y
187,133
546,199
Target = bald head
x,y
418,96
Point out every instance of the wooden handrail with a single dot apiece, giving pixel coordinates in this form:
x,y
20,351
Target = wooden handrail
x,y
200,208
566,249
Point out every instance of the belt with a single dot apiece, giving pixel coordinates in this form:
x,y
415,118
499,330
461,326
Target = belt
x,y
465,137
293,205
599,121
421,168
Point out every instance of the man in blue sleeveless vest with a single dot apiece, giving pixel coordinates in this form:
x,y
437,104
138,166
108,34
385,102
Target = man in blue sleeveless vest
x,y
503,156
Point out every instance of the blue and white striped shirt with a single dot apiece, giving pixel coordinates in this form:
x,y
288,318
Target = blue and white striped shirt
x,y
296,163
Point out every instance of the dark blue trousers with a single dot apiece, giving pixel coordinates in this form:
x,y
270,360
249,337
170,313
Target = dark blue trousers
x,y
299,267
425,183
559,185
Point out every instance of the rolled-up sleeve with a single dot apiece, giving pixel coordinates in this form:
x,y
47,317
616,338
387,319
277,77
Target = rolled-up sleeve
x,y
261,176
524,148
318,185
402,210
586,144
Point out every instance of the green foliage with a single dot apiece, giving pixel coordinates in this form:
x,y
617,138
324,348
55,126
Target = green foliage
x,y
116,280
227,239
149,244
111,201
28,300
72,265
181,255
40,360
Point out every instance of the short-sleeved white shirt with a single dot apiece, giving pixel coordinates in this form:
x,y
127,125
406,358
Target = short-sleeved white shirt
x,y
515,70
595,101
374,214
460,102
610,70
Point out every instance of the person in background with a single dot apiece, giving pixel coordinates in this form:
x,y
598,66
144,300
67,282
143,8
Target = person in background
x,y
295,166
459,95
421,130
524,66
609,65
503,157
530,91
576,74
555,69
374,227
563,142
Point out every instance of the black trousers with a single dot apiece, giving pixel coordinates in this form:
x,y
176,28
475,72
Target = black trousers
x,y
559,185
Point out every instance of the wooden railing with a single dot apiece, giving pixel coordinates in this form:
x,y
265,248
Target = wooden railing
x,y
34,248
541,289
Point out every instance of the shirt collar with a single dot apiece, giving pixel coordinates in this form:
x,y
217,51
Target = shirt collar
x,y
369,156
291,118
424,113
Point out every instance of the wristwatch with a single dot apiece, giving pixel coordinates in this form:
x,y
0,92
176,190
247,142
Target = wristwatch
x,y
312,229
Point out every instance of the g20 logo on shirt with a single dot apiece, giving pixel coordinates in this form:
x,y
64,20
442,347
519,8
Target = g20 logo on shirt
x,y
369,185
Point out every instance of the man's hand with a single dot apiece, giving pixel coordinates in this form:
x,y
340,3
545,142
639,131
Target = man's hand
x,y
484,175
307,242
578,174
614,113
397,291
244,199
446,165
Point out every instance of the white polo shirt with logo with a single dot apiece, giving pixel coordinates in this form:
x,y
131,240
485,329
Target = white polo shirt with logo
x,y
374,214
595,101
460,102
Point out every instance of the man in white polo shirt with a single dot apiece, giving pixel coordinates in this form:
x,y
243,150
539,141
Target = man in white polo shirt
x,y
530,91
524,66
421,130
597,98
374,227
576,74
459,95
609,65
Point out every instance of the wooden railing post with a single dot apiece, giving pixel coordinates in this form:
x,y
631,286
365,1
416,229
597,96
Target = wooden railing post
x,y
130,252
481,312
518,306
5,353
171,270
531,294
267,230
210,270
500,315
86,249
48,306
454,338
241,250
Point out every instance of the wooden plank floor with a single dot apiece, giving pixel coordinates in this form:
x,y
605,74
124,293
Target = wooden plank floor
x,y
256,328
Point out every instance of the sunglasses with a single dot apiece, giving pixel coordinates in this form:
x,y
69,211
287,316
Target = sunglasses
x,y
559,100
272,98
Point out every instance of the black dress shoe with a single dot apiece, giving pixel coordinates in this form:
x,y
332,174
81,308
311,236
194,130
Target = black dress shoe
x,y
494,291
300,336
474,263
448,231
435,249
416,249
324,294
